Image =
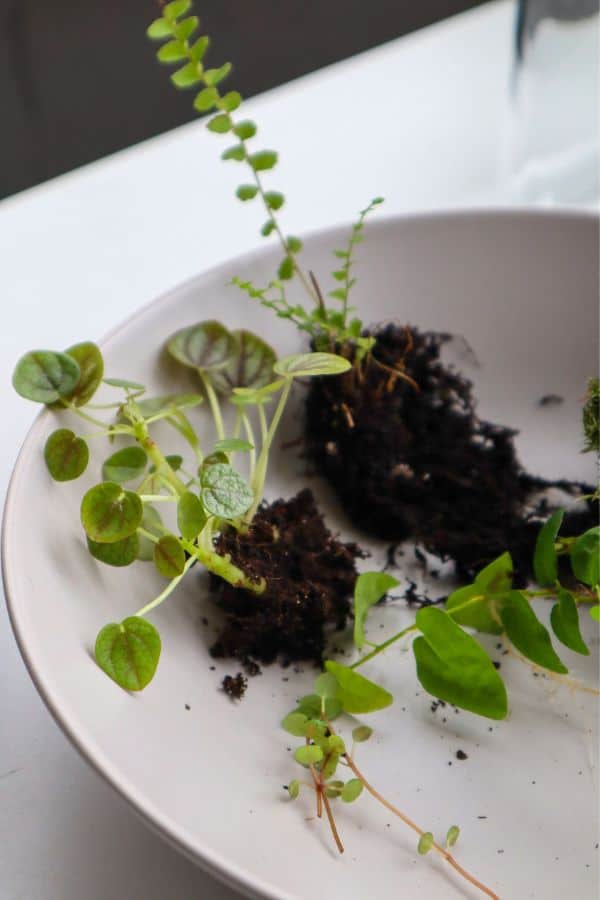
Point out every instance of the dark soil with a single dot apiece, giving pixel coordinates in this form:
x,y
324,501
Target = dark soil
x,y
409,458
310,579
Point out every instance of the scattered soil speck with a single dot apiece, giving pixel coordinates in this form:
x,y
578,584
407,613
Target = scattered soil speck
x,y
460,754
235,686
550,400
187,706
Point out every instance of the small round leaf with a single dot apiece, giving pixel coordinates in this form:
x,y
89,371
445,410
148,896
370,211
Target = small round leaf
x,y
191,517
45,376
585,557
109,514
307,364
295,723
66,455
169,556
250,366
294,789
225,494
352,790
206,346
362,733
452,835
91,367
308,755
125,465
425,843
129,652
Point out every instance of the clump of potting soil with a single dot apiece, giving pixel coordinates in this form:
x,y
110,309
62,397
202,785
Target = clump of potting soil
x,y
400,441
309,576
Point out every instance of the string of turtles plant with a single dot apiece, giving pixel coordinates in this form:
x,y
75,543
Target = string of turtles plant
x,y
330,327
123,524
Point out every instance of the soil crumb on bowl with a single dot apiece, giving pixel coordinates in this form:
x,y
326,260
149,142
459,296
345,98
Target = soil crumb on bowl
x,y
310,578
409,458
235,685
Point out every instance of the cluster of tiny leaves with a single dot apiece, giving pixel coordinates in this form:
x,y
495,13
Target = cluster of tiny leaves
x,y
329,327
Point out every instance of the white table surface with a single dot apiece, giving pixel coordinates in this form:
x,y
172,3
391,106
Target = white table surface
x,y
419,120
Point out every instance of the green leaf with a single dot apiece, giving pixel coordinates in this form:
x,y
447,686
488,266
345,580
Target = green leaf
x,y
109,513
91,369
123,383
246,192
545,565
152,522
326,686
263,160
310,705
308,755
286,269
471,607
215,76
199,48
249,367
169,556
339,293
496,578
171,52
295,723
175,9
565,623
361,734
225,494
425,843
585,557
175,461
187,76
45,376
66,455
212,458
243,396
352,790
274,200
230,102
355,692
527,633
294,244
120,553
129,652
451,665
303,365
125,465
191,517
159,29
233,445
186,28
268,228
330,764
452,835
245,130
206,346
595,613
220,124
206,99
237,152
340,275
294,789
370,587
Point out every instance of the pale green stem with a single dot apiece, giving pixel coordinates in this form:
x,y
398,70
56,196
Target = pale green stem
x,y
162,466
263,422
223,567
157,498
148,534
214,405
250,438
258,483
169,588
237,424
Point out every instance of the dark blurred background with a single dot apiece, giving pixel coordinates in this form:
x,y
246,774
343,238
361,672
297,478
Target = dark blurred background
x,y
79,80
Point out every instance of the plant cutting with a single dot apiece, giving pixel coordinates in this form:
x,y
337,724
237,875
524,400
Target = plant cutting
x,y
397,434
216,507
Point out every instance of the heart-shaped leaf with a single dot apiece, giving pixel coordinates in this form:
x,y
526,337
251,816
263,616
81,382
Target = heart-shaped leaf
x,y
191,517
527,633
368,590
496,577
585,557
66,455
470,606
545,564
251,366
565,623
120,553
303,365
207,346
129,652
125,465
169,556
109,513
45,376
355,692
225,494
451,665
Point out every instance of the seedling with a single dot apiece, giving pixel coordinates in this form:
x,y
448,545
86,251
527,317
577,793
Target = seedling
x,y
121,522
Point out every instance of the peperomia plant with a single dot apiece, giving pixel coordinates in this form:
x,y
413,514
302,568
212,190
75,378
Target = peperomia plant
x,y
330,327
122,523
